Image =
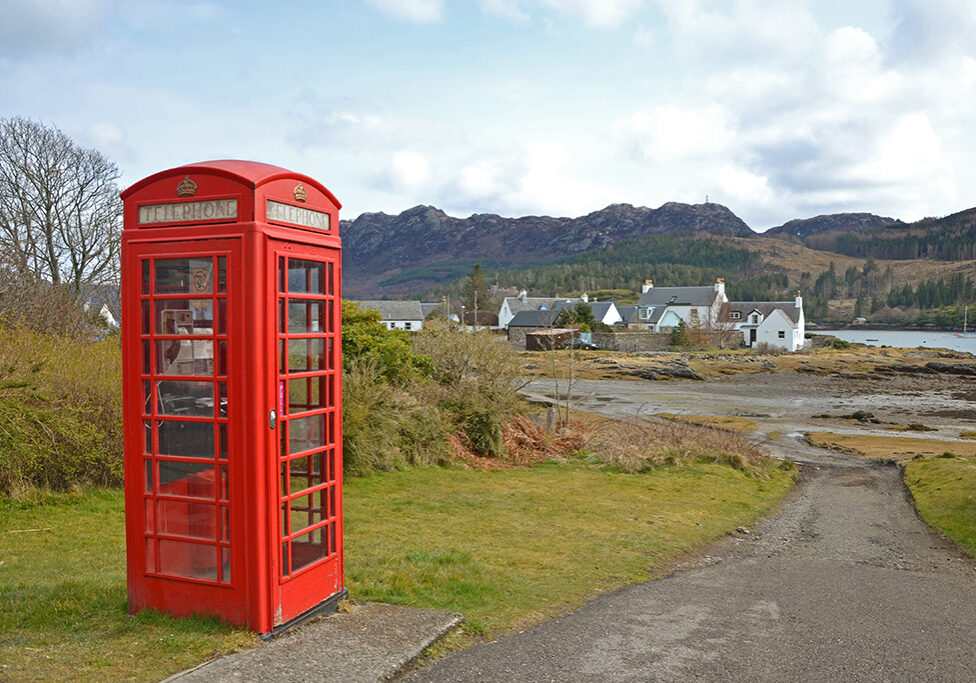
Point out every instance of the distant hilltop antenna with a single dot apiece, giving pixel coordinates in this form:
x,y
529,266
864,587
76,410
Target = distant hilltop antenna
x,y
706,199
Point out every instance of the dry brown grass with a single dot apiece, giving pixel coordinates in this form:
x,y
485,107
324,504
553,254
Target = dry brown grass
x,y
728,423
634,446
894,447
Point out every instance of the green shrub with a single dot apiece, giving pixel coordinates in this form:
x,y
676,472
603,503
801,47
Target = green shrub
x,y
60,411
365,338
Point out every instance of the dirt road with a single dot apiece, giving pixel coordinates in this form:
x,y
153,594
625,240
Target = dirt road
x,y
844,582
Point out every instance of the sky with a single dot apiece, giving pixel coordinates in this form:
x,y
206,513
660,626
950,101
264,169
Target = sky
x,y
778,109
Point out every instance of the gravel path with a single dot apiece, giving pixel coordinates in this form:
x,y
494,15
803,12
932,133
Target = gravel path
x,y
843,583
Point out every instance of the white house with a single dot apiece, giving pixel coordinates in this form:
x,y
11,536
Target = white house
x,y
662,308
397,315
776,323
511,305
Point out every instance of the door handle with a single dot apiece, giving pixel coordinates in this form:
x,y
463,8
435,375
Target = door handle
x,y
272,419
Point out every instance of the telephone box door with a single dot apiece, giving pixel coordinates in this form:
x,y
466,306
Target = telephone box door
x,y
308,421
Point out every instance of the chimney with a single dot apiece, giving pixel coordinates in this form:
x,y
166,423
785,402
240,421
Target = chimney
x,y
799,300
720,287
523,295
648,284
585,297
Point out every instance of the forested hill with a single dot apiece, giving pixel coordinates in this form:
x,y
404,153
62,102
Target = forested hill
x,y
385,255
803,228
952,238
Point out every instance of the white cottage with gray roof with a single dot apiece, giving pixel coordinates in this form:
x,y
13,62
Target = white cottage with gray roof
x,y
397,315
775,323
660,309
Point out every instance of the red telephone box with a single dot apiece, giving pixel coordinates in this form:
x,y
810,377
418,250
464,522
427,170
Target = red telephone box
x,y
232,389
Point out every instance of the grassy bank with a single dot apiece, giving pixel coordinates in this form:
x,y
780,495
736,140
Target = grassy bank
x,y
945,493
896,447
505,547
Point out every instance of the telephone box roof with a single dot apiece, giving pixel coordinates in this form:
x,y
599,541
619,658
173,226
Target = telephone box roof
x,y
252,173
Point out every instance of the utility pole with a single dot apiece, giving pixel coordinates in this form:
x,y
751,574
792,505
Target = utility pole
x,y
476,310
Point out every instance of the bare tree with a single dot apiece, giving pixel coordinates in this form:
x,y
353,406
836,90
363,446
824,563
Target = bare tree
x,y
60,212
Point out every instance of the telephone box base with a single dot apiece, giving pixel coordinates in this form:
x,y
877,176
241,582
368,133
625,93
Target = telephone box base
x,y
329,606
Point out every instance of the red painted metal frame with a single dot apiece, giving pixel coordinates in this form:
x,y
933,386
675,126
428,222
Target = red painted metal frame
x,y
257,594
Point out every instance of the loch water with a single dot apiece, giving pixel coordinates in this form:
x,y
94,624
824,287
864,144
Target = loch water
x,y
907,339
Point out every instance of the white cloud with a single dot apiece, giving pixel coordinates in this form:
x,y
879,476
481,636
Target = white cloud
x,y
598,13
409,171
414,11
673,133
744,187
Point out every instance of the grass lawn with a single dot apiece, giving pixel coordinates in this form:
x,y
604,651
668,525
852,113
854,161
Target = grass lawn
x,y
63,598
897,447
945,493
510,548
506,548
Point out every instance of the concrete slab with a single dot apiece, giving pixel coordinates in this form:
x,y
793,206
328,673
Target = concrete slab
x,y
371,643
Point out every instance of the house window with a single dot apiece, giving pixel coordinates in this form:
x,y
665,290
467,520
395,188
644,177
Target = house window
x,y
782,334
644,312
406,326
735,315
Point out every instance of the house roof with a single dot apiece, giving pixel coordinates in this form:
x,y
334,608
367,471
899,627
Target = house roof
x,y
110,296
744,308
534,303
394,310
627,312
601,308
678,296
534,318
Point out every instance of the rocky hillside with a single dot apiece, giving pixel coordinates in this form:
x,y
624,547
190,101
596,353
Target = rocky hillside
x,y
837,222
385,255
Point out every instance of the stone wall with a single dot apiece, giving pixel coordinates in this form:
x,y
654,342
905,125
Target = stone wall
x,y
632,342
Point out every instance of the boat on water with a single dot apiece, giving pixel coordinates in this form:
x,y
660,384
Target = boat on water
x,y
965,323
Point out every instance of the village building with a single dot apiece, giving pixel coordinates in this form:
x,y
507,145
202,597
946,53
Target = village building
x,y
774,323
661,309
397,315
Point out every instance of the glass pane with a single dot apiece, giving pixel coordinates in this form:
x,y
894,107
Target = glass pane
x,y
185,357
150,508
285,561
146,357
222,274
329,353
282,318
306,433
306,354
185,439
146,317
184,316
222,358
146,281
149,476
221,316
306,394
225,565
306,276
224,483
281,274
331,318
222,428
224,523
329,279
191,560
151,555
309,548
307,472
186,398
184,276
305,316
307,510
147,437
222,399
186,479
193,520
